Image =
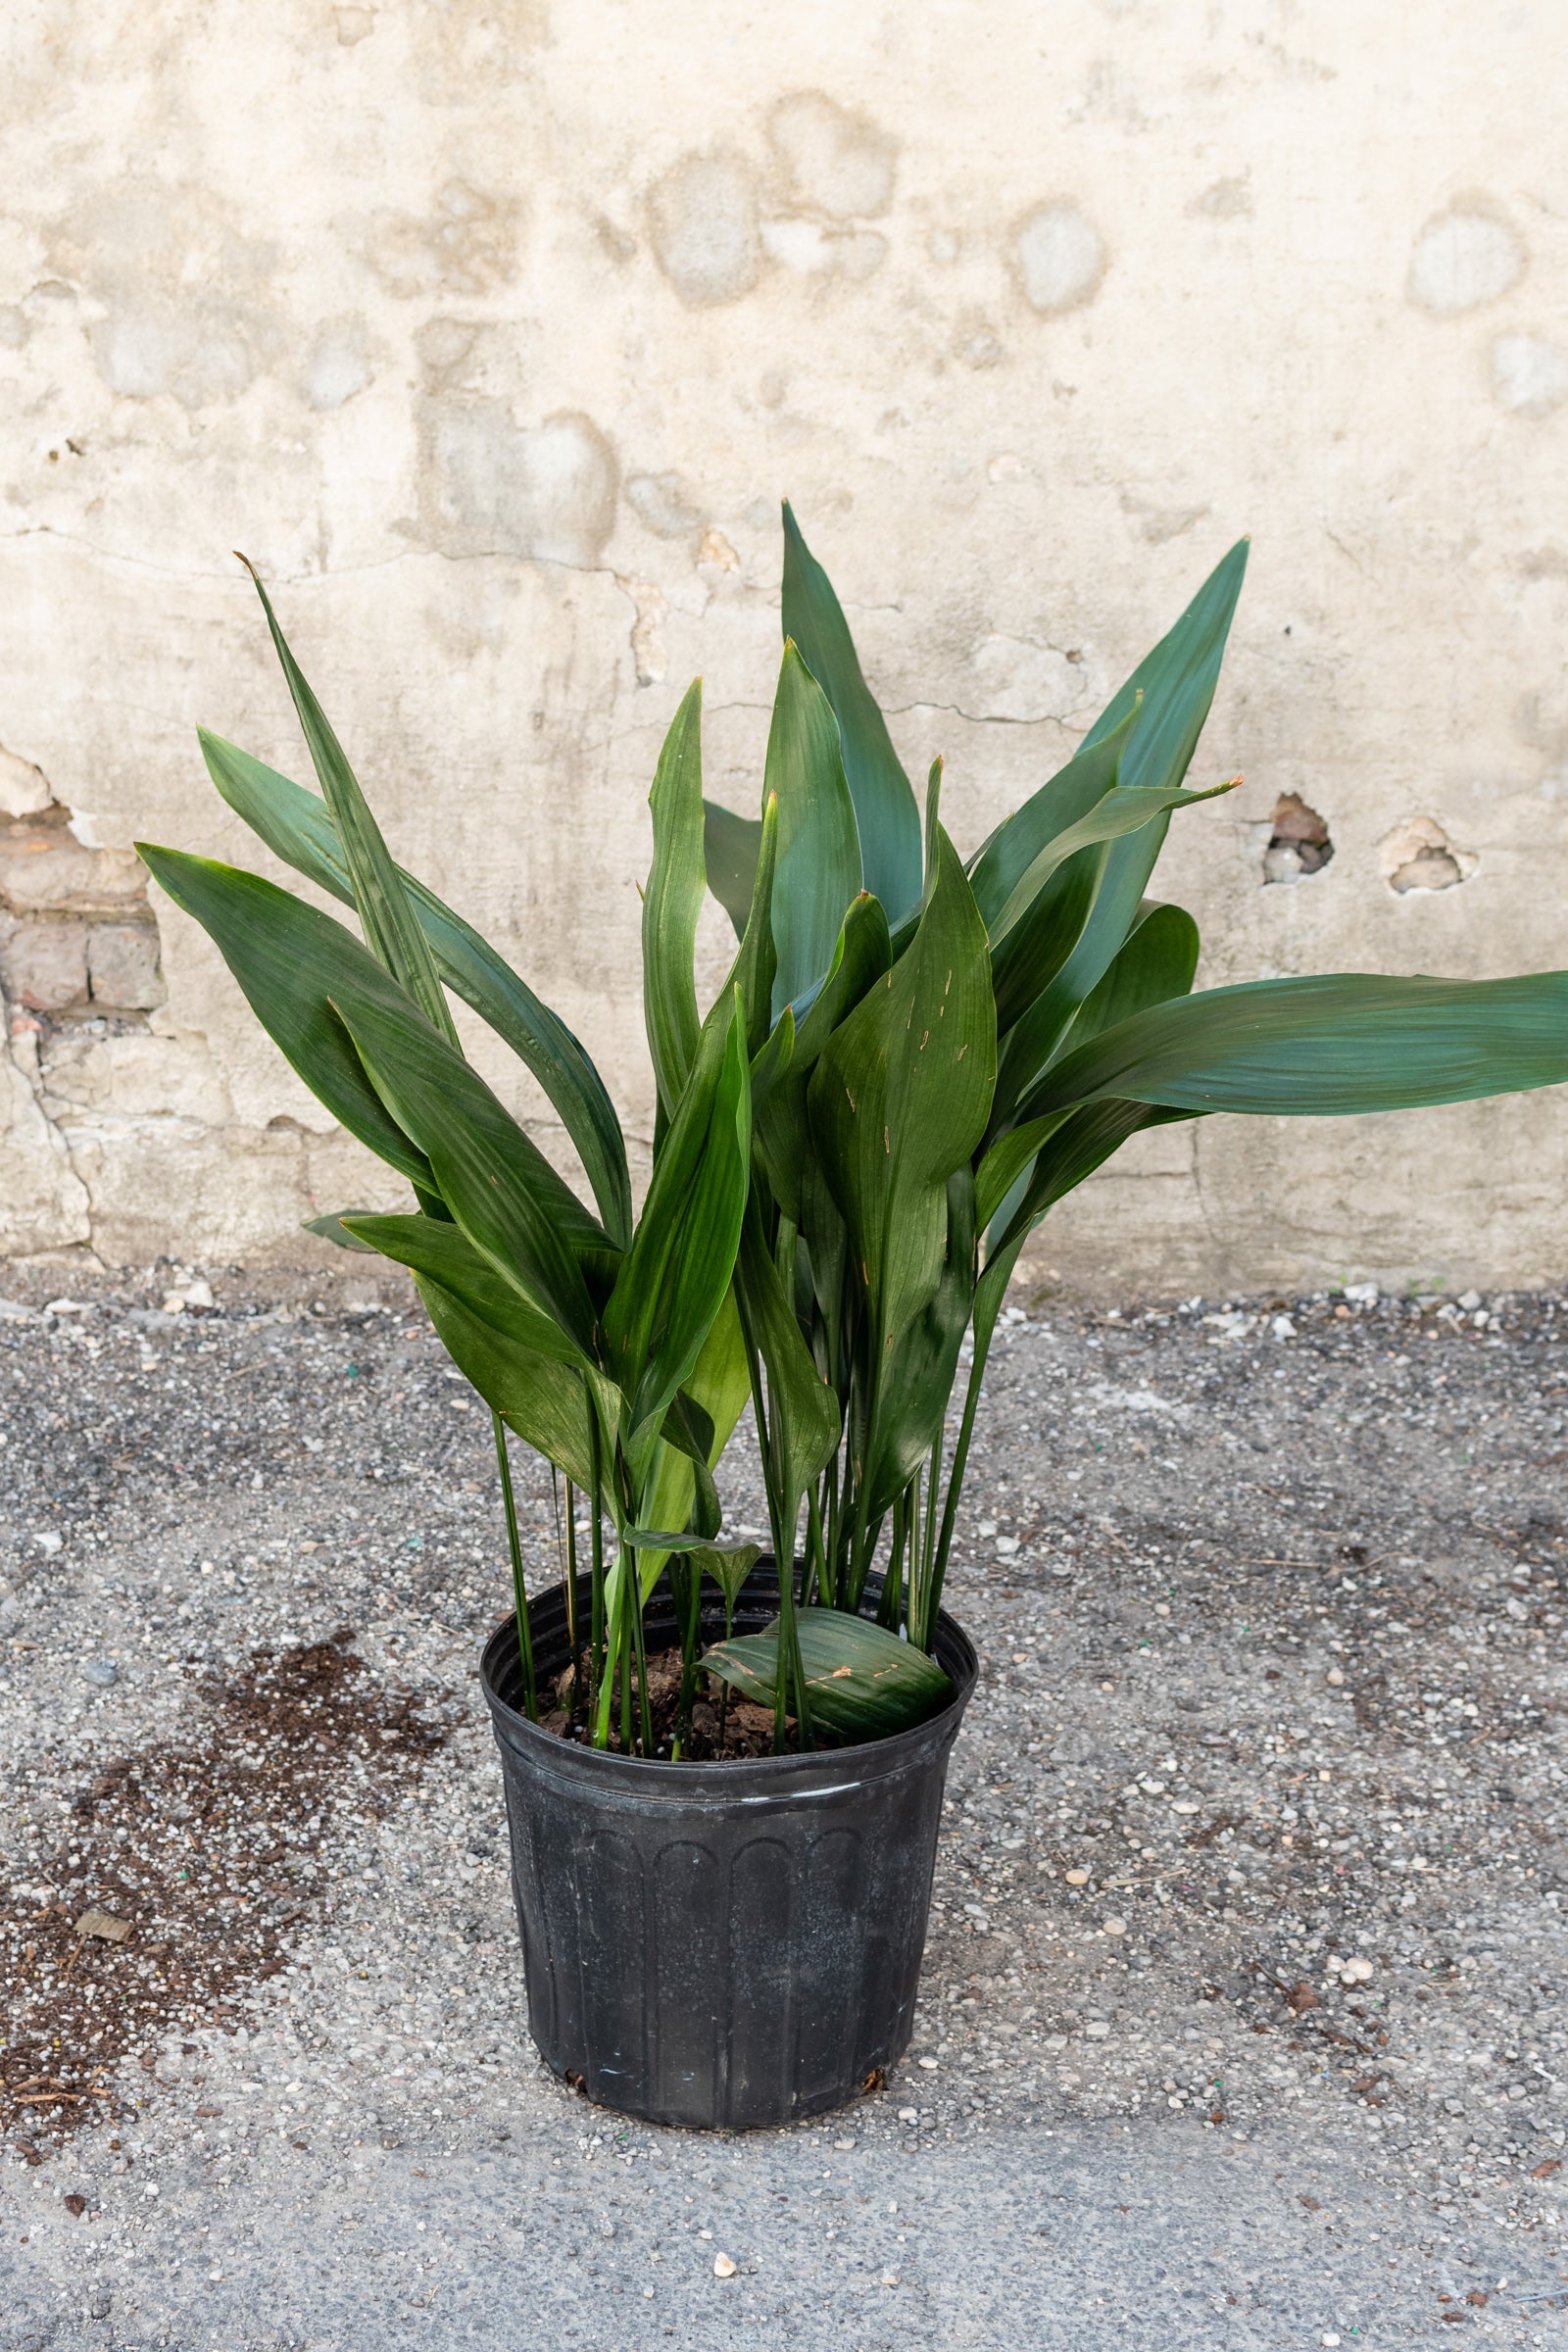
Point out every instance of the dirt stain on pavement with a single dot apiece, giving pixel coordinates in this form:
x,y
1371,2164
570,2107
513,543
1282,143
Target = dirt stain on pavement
x,y
186,1868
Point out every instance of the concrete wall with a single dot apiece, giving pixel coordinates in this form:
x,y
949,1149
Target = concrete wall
x,y
493,329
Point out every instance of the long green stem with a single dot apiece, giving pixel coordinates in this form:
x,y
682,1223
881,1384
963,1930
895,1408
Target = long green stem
x,y
596,1538
571,1586
960,1458
791,1665
519,1588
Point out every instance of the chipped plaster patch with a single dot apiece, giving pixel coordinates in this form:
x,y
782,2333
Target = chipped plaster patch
x,y
1419,857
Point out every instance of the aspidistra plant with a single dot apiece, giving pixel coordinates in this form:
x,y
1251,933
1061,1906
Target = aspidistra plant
x,y
913,1057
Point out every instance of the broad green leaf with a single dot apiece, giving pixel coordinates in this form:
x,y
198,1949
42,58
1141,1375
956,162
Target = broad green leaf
x,y
770,1066
503,1192
802,1412
1009,1158
672,1283
756,960
291,960
673,1539
541,1398
886,816
1077,1146
718,1388
673,901
730,847
1003,861
297,826
729,1570
392,930
1127,809
1157,959
916,1380
1176,682
818,870
1330,1046
862,1683
443,1252
1025,963
334,1229
900,1099
783,1133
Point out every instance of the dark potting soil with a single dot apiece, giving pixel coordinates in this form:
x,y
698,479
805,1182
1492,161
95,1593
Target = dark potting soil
x,y
721,1731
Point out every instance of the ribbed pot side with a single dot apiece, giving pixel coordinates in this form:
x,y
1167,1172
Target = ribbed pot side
x,y
723,1947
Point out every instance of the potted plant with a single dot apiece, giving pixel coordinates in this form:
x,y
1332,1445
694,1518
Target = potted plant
x,y
723,1780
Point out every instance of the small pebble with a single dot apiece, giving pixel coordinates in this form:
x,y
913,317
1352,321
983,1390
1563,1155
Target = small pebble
x,y
99,1671
844,2146
1116,1926
1077,1878
723,2268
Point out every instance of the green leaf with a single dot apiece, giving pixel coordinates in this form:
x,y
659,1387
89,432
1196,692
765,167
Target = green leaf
x,y
392,930
717,1389
671,1539
1075,1148
783,1132
503,1192
1176,682
818,846
916,1380
332,1229
677,1271
730,848
729,1570
543,1401
887,818
756,960
297,826
802,1411
1009,1158
1157,959
861,1682
429,1245
673,901
1330,1046
291,960
899,1099
1005,859
1127,809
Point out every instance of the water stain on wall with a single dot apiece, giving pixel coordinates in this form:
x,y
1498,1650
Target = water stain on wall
x,y
1529,375
1059,257
186,301
702,216
1465,257
664,504
835,161
337,363
466,243
490,486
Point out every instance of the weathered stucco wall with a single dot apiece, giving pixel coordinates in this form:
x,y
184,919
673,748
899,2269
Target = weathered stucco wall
x,y
493,329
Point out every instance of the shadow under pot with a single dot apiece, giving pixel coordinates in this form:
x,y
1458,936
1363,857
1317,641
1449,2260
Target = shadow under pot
x,y
723,1947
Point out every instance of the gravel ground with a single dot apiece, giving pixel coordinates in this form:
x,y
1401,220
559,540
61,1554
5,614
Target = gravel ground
x,y
1241,2020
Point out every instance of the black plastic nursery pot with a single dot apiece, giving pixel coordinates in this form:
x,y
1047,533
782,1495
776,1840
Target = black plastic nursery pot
x,y
723,1947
